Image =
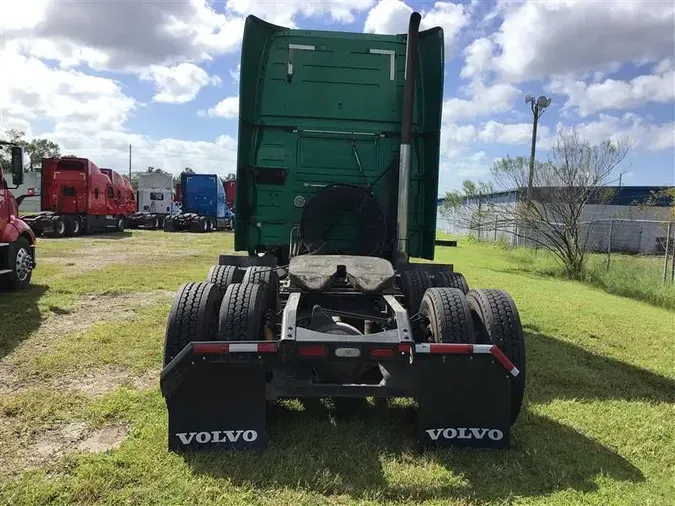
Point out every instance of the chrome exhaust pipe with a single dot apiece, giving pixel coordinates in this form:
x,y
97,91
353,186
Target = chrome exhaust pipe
x,y
406,133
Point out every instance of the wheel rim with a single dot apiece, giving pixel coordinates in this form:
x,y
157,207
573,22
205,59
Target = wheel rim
x,y
60,227
156,222
76,226
24,264
120,224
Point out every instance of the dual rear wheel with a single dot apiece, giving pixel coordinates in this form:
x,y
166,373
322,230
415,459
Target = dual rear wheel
x,y
231,305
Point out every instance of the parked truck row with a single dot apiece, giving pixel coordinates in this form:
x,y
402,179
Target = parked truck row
x,y
76,196
79,197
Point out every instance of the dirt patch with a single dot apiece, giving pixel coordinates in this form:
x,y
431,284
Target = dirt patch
x,y
107,379
51,444
103,440
97,257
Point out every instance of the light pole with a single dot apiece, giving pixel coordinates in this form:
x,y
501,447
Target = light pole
x,y
538,107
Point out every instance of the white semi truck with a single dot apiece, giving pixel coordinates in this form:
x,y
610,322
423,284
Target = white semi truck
x,y
155,201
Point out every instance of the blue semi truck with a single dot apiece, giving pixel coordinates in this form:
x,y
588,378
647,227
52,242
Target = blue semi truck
x,y
203,205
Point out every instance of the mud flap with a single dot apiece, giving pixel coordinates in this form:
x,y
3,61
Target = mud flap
x,y
464,400
215,406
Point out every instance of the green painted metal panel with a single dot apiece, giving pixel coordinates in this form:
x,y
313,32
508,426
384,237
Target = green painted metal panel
x,y
310,102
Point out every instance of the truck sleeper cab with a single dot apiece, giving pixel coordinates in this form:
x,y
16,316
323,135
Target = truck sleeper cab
x,y
203,205
155,201
76,197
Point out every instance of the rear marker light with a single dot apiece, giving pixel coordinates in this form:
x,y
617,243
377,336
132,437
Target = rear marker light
x,y
312,351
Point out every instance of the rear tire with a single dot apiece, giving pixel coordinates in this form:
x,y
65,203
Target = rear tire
x,y
59,227
414,284
73,226
121,224
193,317
268,277
169,225
224,275
242,311
451,280
496,320
446,317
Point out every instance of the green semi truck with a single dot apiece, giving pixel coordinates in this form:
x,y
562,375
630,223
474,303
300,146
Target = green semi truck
x,y
337,174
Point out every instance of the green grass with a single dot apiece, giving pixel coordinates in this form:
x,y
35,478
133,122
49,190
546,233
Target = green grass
x,y
639,277
597,427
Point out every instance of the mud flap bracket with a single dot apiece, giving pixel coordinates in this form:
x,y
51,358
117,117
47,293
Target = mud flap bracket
x,y
464,400
215,406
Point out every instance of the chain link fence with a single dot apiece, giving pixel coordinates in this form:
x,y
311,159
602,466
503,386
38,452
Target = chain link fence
x,y
648,245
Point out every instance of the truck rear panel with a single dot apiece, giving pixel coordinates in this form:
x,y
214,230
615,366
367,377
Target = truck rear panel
x,y
203,194
318,108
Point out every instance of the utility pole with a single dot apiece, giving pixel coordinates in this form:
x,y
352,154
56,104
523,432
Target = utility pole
x,y
129,162
538,107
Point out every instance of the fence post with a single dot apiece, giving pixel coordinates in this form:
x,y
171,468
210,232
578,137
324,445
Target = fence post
x,y
665,261
609,243
495,236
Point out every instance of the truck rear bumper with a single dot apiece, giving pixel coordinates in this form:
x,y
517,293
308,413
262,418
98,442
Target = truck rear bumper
x,y
216,392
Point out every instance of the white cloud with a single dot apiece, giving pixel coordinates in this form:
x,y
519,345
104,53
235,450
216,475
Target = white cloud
x,y
478,58
631,127
538,39
30,90
178,84
613,94
285,13
155,33
484,100
111,149
226,108
392,17
516,133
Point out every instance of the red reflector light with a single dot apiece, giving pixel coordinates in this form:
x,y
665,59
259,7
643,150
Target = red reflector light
x,y
404,348
312,351
382,352
210,348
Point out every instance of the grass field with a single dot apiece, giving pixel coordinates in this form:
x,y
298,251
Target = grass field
x,y
82,420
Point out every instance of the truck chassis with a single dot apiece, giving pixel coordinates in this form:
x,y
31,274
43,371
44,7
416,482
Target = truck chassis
x,y
50,224
192,222
145,220
337,326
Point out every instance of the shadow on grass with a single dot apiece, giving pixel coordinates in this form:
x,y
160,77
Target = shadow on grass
x,y
371,453
561,370
19,316
110,235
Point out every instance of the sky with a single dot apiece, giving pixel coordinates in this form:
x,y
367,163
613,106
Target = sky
x,y
97,76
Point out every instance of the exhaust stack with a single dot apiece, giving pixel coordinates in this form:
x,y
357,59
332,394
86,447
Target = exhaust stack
x,y
406,133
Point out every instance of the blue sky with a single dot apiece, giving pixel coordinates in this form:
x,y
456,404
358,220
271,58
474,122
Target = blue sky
x,y
608,67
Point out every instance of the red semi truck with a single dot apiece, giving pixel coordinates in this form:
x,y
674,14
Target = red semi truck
x,y
17,240
230,192
76,198
124,192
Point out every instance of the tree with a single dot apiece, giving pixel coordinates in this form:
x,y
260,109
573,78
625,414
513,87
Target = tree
x,y
36,149
574,175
